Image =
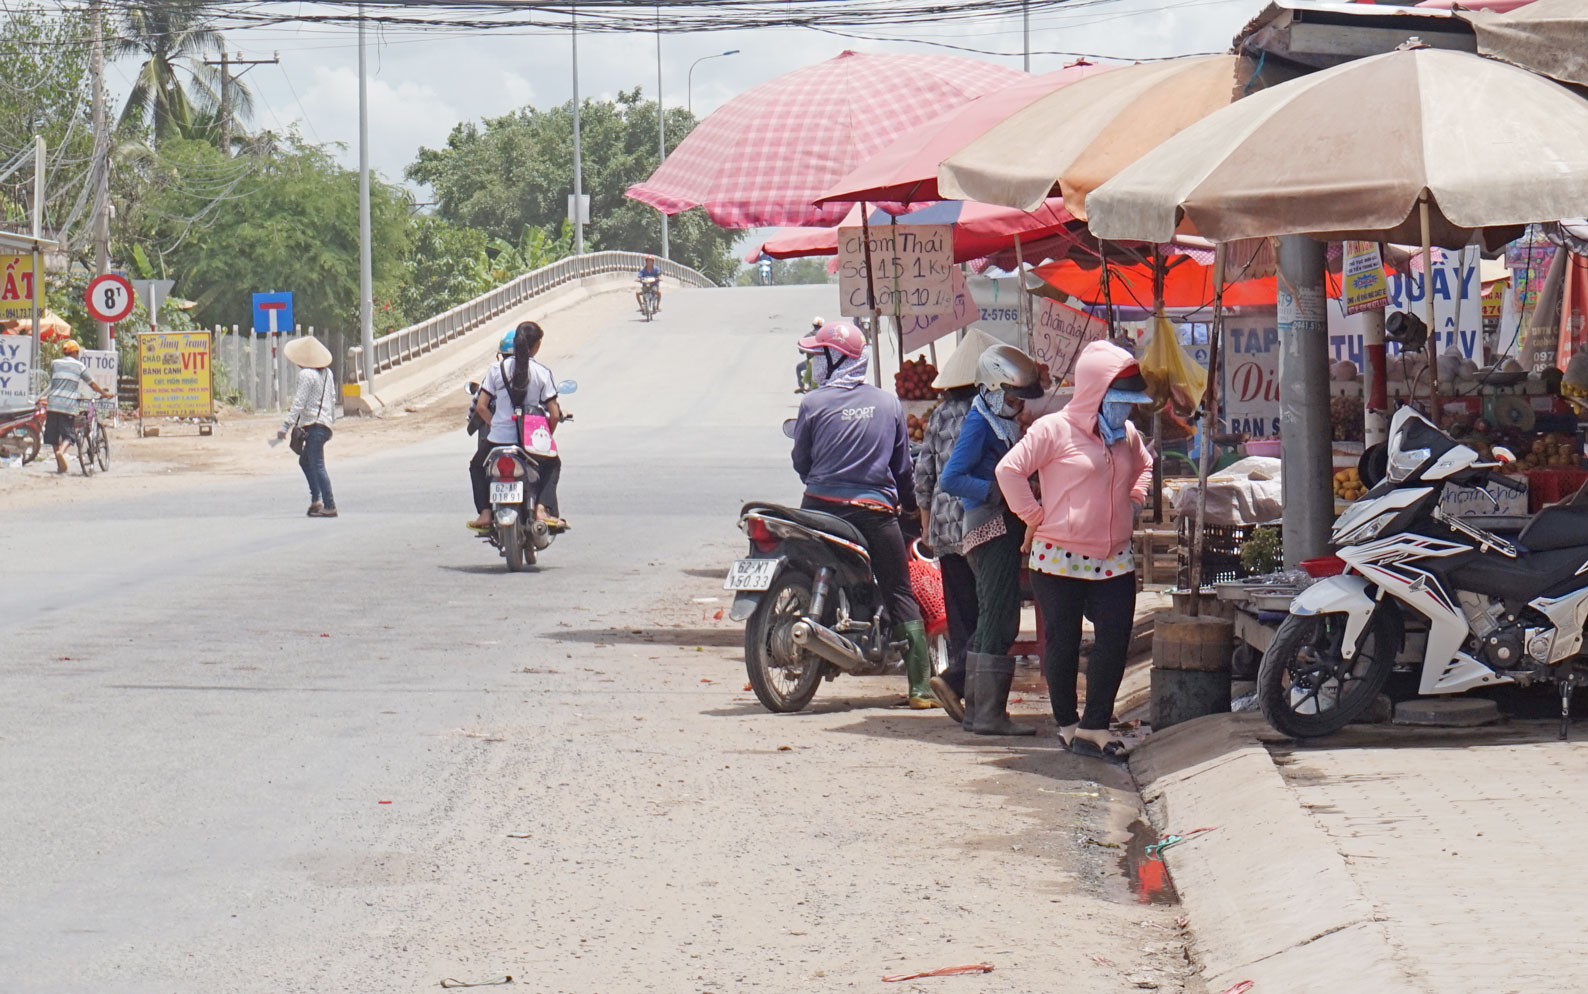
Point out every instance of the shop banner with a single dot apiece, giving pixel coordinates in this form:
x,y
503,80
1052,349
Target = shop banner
x,y
911,269
102,369
1573,310
1251,374
921,330
1061,332
998,304
16,393
1458,310
174,375
16,288
1364,286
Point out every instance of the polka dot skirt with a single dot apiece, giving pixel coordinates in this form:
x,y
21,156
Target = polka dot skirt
x,y
1049,558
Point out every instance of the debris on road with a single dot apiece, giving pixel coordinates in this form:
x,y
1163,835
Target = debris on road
x,y
454,982
946,971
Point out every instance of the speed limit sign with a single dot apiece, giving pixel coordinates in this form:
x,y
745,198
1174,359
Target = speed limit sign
x,y
109,298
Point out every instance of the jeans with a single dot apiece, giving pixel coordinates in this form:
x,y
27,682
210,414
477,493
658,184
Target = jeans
x,y
997,568
1111,604
312,460
890,564
959,596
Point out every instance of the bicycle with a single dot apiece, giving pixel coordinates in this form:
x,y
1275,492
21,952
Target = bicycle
x,y
90,440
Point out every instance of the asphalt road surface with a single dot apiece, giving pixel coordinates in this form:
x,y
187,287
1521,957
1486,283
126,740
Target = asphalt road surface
x,y
242,750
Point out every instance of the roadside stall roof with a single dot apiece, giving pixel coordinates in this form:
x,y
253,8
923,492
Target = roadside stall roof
x,y
12,241
1321,35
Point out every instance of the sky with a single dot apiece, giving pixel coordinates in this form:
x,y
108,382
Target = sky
x,y
422,83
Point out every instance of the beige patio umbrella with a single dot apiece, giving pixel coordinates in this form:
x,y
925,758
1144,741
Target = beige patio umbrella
x,y
1546,36
1070,141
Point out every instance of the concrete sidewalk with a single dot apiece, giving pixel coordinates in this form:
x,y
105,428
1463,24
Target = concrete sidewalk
x,y
1383,859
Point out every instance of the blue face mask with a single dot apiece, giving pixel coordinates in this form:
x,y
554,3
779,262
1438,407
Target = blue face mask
x,y
1114,415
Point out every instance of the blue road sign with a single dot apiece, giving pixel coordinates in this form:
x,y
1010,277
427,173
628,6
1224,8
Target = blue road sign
x,y
272,312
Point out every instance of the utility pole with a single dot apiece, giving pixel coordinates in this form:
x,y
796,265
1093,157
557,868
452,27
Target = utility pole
x,y
661,122
366,265
1025,32
226,62
578,161
1304,399
100,167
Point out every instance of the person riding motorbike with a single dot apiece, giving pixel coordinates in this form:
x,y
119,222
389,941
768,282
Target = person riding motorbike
x,y
526,384
802,369
852,452
649,271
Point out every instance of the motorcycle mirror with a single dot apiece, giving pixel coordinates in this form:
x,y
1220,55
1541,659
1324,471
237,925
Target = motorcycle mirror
x,y
788,427
1503,455
473,388
568,386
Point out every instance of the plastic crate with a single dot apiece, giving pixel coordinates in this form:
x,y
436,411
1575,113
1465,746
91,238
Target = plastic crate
x,y
1221,551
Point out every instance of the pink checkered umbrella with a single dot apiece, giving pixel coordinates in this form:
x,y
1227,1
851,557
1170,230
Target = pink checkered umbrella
x,y
763,157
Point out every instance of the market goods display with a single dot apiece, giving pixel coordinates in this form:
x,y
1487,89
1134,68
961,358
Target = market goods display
x,y
1346,415
1348,484
1553,451
914,381
917,425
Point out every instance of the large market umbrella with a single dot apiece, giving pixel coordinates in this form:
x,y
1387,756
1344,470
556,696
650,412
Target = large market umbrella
x,y
906,171
1546,36
1079,135
763,158
980,230
1186,283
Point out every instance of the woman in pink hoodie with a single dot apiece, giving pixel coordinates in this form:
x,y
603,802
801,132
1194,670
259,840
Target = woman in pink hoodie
x,y
1094,469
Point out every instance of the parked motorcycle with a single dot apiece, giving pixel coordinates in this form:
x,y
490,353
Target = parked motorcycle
x,y
650,296
813,608
515,479
1492,611
22,433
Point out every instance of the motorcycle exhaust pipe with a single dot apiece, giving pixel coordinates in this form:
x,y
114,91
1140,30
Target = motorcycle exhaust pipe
x,y
828,644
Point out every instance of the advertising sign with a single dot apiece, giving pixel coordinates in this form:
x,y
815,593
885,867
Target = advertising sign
x,y
1364,287
16,393
102,369
16,288
911,267
174,374
1061,332
1251,374
1458,310
998,306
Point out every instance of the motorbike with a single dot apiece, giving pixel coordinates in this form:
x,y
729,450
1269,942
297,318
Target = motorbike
x,y
22,433
1488,611
650,296
514,478
813,608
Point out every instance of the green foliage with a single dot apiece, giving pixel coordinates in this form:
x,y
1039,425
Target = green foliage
x,y
167,36
1262,552
790,271
452,264
44,90
513,173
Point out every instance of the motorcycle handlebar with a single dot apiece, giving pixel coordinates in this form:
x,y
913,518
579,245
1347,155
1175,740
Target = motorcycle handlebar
x,y
1507,483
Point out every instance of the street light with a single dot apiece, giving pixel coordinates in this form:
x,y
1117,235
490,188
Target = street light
x,y
690,102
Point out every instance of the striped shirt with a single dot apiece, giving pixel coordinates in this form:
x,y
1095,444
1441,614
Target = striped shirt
x,y
67,378
315,401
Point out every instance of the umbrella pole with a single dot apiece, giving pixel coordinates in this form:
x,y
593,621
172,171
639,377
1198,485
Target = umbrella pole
x,y
1210,423
1160,270
1428,311
1025,297
871,300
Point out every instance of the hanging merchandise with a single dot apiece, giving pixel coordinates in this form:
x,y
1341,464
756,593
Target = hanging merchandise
x,y
1172,377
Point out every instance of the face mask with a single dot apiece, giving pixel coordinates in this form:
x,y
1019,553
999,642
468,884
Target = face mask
x,y
1112,418
998,402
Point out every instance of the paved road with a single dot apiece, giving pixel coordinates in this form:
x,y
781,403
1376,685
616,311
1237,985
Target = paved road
x,y
208,699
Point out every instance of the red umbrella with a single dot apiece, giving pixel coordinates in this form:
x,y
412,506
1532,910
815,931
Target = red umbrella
x,y
764,157
979,229
906,171
1187,283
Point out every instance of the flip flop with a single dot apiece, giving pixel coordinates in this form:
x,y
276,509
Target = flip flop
x,y
1112,752
477,529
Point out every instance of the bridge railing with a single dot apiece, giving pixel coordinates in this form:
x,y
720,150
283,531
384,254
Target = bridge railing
x,y
408,343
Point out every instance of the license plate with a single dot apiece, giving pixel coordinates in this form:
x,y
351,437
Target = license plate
x,y
507,493
750,574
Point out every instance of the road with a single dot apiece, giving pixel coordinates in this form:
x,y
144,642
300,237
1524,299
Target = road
x,y
247,751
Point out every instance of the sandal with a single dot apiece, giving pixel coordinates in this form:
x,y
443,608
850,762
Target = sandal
x,y
1113,751
477,528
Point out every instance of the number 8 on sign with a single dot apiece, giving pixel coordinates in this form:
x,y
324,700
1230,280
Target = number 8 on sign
x,y
109,298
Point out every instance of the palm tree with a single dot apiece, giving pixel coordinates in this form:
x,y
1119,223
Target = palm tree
x,y
172,35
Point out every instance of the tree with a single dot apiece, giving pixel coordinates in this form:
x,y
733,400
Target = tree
x,y
172,35
44,91
515,172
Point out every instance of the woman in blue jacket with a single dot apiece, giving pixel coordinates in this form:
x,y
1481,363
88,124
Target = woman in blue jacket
x,y
994,537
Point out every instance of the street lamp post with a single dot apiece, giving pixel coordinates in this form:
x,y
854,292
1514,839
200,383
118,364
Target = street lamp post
x,y
661,123
690,104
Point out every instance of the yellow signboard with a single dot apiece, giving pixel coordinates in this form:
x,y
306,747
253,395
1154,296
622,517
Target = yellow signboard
x,y
174,375
1363,287
16,288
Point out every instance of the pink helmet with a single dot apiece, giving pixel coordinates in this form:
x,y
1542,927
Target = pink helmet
x,y
840,335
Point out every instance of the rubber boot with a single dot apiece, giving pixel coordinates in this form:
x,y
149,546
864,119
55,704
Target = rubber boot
x,y
987,682
918,665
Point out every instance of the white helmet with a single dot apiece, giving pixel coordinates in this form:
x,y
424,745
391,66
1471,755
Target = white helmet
x,y
1006,369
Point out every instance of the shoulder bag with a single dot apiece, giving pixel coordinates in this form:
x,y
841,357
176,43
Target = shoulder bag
x,y
300,434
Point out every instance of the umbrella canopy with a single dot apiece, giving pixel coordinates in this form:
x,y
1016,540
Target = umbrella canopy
x,y
1306,157
1187,283
979,229
764,157
906,171
1545,36
1082,134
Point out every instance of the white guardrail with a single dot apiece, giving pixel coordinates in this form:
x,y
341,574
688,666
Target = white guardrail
x,y
408,343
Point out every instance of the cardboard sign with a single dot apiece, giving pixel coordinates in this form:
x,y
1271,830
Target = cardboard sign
x,y
923,329
1364,286
1060,333
911,269
997,302
1251,374
16,393
174,376
1470,502
16,288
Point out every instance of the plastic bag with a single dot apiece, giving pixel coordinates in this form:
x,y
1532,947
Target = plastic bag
x,y
1172,376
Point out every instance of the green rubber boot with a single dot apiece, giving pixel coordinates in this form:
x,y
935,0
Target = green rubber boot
x,y
918,665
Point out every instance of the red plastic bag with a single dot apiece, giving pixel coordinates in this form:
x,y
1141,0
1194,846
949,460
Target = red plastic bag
x,y
926,580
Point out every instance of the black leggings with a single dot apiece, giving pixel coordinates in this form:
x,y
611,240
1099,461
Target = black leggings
x,y
1111,604
959,596
543,476
889,562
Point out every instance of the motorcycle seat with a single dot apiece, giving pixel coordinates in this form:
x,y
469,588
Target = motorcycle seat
x,y
1535,574
814,520
1556,528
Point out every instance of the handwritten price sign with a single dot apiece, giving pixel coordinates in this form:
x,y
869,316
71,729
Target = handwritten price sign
x,y
912,269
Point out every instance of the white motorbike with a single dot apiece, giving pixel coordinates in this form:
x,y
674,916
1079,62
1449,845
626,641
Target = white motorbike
x,y
1492,611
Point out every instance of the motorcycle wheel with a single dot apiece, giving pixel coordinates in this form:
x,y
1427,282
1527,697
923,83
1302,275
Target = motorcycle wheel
x,y
1306,688
783,676
512,539
23,441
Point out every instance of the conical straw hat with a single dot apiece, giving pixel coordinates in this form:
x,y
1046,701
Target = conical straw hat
x,y
960,369
308,353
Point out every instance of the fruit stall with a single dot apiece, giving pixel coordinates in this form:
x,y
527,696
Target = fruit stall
x,y
913,385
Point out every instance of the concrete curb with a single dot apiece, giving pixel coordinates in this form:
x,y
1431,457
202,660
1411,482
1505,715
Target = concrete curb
x,y
1269,896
